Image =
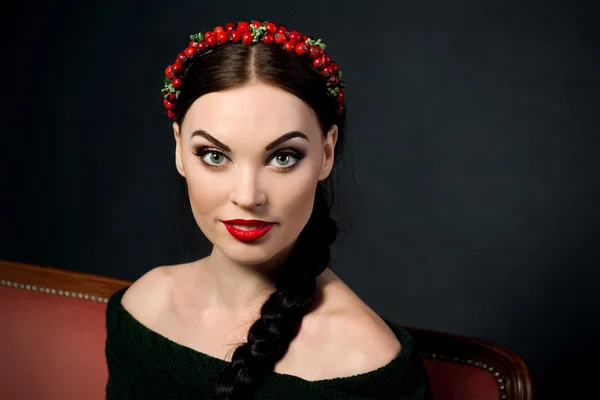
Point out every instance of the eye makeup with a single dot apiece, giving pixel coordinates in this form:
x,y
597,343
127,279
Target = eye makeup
x,y
215,155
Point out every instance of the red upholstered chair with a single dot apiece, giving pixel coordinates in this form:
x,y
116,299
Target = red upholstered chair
x,y
464,368
52,333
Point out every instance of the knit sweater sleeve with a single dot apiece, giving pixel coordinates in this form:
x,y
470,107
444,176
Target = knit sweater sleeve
x,y
117,361
145,365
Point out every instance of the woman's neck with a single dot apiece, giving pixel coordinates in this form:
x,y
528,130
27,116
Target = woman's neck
x,y
236,288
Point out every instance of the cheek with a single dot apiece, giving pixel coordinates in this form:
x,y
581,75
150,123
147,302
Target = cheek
x,y
205,192
295,196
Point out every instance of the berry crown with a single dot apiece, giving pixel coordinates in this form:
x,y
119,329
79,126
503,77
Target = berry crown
x,y
249,33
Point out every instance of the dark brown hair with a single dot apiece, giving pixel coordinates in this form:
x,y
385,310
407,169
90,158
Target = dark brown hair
x,y
269,337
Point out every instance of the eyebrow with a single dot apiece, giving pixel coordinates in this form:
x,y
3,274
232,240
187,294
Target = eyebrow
x,y
210,138
277,142
285,138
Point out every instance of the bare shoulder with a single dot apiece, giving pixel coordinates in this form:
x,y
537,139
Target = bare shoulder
x,y
346,329
149,294
366,343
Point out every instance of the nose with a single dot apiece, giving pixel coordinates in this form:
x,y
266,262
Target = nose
x,y
247,192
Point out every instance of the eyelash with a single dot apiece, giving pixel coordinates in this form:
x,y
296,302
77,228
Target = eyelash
x,y
298,155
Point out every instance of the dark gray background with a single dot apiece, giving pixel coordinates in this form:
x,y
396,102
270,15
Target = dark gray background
x,y
473,141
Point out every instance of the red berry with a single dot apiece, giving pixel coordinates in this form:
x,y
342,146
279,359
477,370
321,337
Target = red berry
x,y
318,63
211,40
294,36
181,57
301,49
223,37
236,36
334,67
208,33
324,62
172,97
230,26
256,24
171,114
269,38
247,38
280,38
176,83
168,105
333,80
326,59
343,90
282,29
340,108
271,27
289,46
218,29
339,97
190,52
169,72
327,70
176,67
193,44
243,27
315,51
202,46
304,38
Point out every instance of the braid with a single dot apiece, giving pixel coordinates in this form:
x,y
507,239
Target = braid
x,y
280,316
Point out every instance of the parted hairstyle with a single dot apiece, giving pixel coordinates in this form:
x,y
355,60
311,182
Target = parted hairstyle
x,y
295,295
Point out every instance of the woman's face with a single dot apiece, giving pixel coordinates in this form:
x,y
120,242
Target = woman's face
x,y
253,153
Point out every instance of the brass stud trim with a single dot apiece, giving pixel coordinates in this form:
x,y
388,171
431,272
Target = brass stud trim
x,y
479,364
54,291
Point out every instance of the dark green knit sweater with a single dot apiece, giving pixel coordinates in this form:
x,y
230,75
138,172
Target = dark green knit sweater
x,y
145,365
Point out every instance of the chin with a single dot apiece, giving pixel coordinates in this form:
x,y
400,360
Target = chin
x,y
262,251
248,256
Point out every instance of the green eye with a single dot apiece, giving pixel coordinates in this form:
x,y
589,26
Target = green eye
x,y
283,160
214,158
286,159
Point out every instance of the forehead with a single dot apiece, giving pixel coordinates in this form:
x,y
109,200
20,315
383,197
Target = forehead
x,y
254,110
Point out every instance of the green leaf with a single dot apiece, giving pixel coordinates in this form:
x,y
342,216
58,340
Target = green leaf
x,y
172,89
340,74
322,45
177,93
192,37
167,81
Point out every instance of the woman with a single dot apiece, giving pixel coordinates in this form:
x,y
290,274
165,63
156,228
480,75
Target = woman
x,y
258,124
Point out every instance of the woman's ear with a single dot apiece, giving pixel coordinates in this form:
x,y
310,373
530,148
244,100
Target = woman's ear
x,y
178,162
328,152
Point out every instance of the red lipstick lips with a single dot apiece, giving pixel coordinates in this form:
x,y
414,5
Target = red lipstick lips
x,y
261,228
